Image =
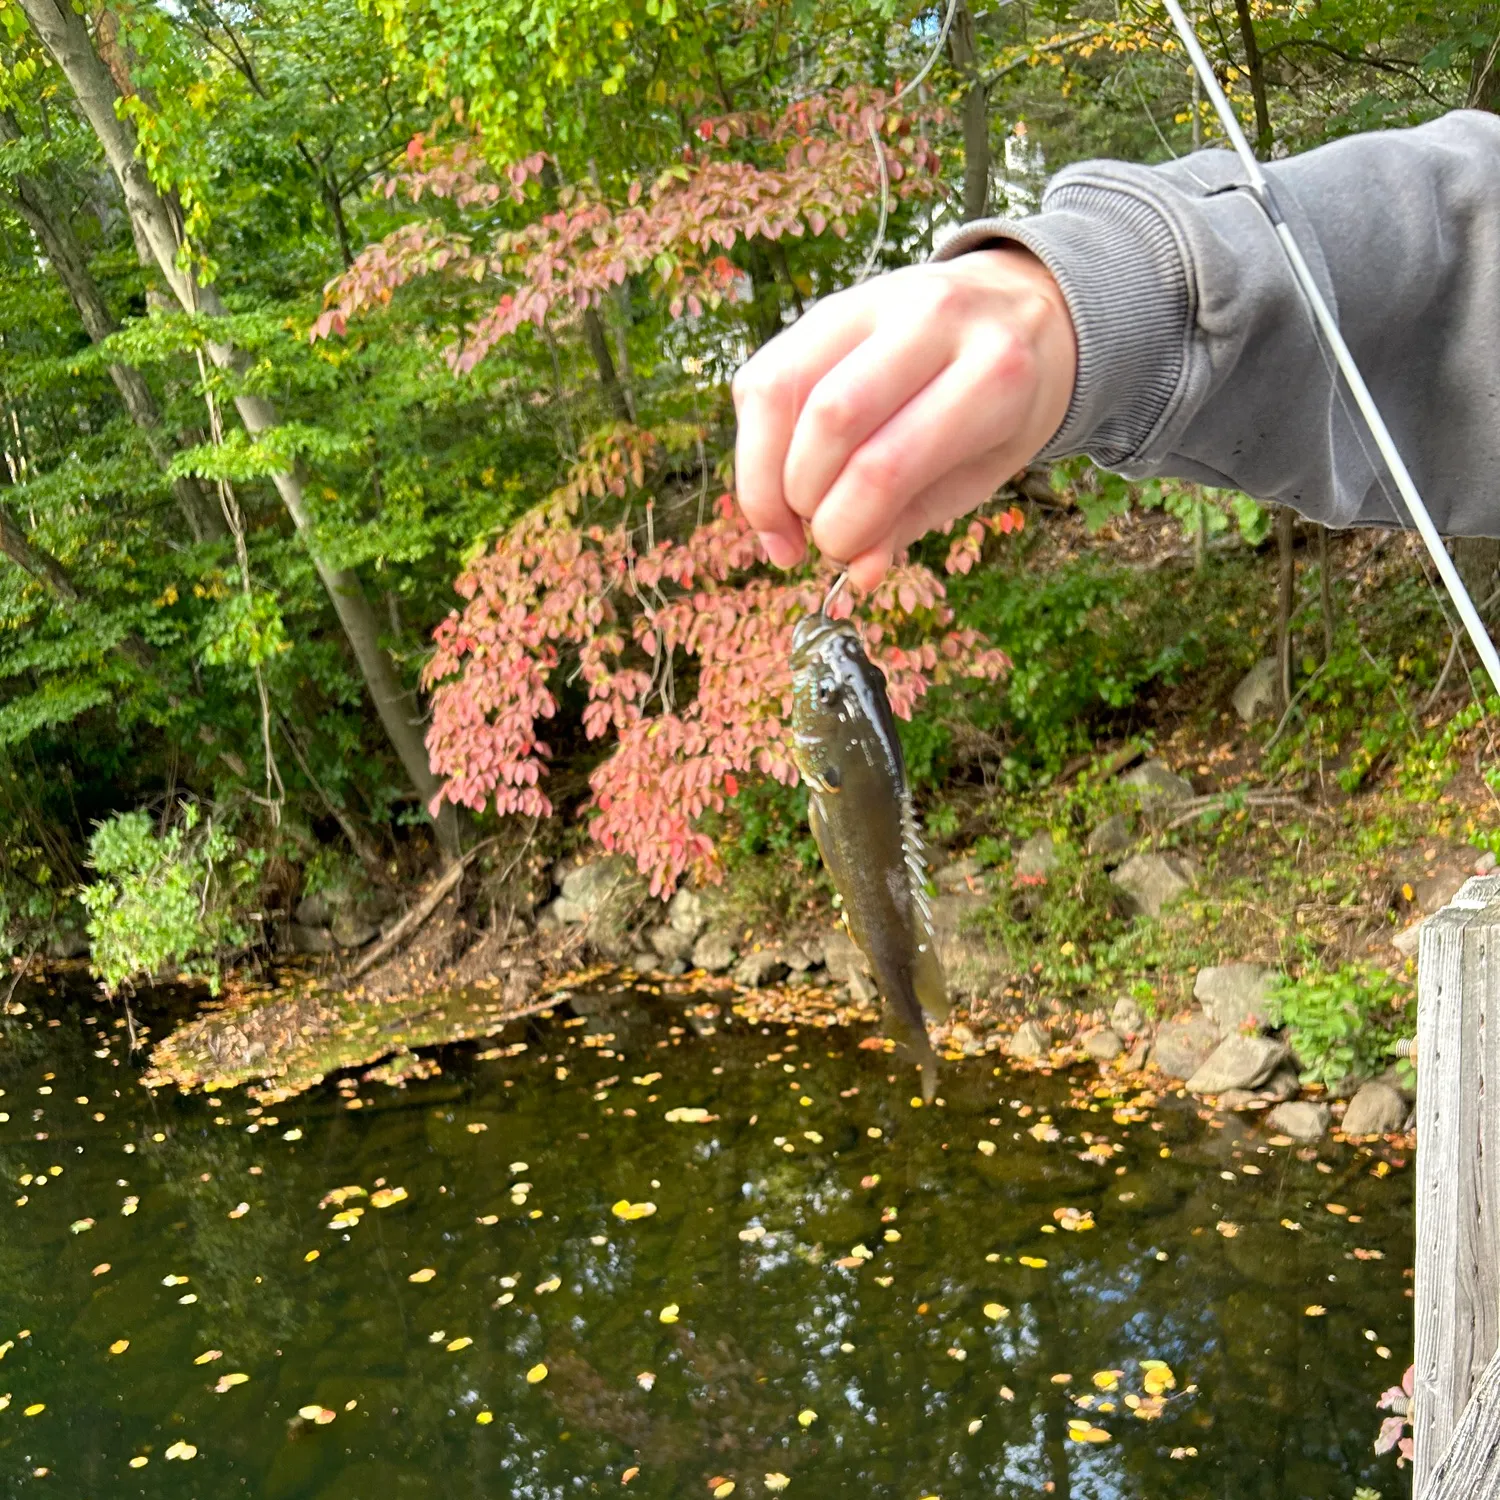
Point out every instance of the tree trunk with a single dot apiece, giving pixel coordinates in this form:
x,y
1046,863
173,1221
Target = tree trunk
x,y
1325,589
1255,69
65,35
1286,521
598,340
963,51
1477,559
34,202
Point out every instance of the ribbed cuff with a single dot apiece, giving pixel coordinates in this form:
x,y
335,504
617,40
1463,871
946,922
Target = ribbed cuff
x,y
1122,271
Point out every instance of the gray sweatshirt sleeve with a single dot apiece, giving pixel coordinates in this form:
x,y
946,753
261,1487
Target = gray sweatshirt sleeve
x,y
1198,357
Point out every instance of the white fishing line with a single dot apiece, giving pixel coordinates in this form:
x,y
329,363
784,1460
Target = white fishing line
x,y
1327,323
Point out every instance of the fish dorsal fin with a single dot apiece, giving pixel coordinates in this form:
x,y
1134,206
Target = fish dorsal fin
x,y
927,969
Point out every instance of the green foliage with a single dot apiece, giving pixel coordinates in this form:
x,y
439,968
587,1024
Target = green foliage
x,y
166,901
1343,1022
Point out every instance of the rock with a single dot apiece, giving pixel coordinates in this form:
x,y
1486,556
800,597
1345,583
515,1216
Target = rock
x,y
671,943
1377,1109
959,875
1238,1062
1155,785
862,988
561,913
642,963
311,939
806,953
974,963
1113,836
1183,1044
1103,1045
686,914
713,952
1149,881
314,910
351,930
1140,1055
756,970
1238,1099
1127,1018
1434,891
1032,1040
1236,996
842,956
1259,691
1283,1084
1038,857
69,937
1409,940
1485,863
593,886
1300,1120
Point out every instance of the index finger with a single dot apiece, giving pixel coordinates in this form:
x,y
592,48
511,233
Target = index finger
x,y
769,393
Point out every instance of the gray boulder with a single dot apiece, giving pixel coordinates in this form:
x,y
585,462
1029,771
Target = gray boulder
x,y
1103,1045
756,970
314,911
1282,1085
1156,785
1300,1120
974,963
316,940
1113,836
1377,1109
862,988
1032,1040
591,887
561,913
1236,996
1148,882
1183,1044
713,952
1409,939
1259,690
670,943
685,913
1238,1062
1127,1018
842,956
959,875
1038,857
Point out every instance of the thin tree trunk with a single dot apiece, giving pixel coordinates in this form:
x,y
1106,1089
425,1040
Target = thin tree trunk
x,y
1325,589
65,35
1256,72
34,202
963,51
598,340
1477,559
1286,521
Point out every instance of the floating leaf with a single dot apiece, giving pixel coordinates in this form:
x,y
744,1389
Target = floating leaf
x,y
806,1417
119,1346
994,1311
228,1382
627,1210
182,1450
776,1483
81,1226
551,1284
630,1473
425,1274
723,1489
209,1356
646,1379
1107,1380
1317,1310
384,1197
986,1148
753,1233
689,1115
1034,1261
454,1345
536,1374
484,1418
669,1313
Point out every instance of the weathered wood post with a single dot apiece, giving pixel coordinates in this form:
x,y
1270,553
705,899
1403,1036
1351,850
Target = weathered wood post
x,y
1456,1404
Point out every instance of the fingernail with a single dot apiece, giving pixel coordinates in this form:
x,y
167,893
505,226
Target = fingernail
x,y
781,552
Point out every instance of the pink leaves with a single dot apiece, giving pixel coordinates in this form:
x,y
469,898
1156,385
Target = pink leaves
x,y
639,625
1398,1400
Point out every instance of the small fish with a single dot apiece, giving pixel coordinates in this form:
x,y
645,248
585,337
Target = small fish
x,y
845,746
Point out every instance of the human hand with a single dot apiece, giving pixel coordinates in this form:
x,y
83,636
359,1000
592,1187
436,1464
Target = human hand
x,y
901,404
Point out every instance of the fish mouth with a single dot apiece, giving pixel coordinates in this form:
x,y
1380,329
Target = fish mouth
x,y
815,631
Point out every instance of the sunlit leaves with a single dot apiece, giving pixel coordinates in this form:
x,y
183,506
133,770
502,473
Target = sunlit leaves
x,y
628,1211
536,1374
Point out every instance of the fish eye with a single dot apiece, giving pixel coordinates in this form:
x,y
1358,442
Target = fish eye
x,y
827,692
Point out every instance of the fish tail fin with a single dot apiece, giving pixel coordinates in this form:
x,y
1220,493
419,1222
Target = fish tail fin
x,y
914,1023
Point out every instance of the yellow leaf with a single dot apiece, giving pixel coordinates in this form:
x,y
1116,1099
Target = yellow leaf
x,y
776,1483
139,1461
627,1210
551,1284
384,1197
630,1473
182,1450
1107,1380
669,1313
209,1356
646,1379
986,1148
994,1310
425,1274
1315,1311
308,1413
721,1490
807,1417
1035,1262
484,1418
36,1409
312,1255
536,1374
228,1382
119,1346
454,1345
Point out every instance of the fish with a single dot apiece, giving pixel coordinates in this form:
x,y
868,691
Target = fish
x,y
846,749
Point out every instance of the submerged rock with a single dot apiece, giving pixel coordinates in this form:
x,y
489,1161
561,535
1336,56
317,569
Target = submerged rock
x,y
1149,882
1300,1120
1236,996
1238,1062
1183,1044
1377,1109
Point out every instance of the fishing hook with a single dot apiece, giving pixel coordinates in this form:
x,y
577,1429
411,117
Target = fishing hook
x,y
835,589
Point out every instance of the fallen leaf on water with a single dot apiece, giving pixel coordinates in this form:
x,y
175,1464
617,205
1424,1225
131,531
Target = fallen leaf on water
x,y
627,1210
1006,1394
1035,1262
1107,1380
1369,1254
630,1473
872,1180
1290,1224
119,1346
536,1374
477,1128
228,1382
975,1425
102,1269
994,1310
1227,1229
884,1280
1158,1376
776,1483
484,1418
669,1313
174,1280
139,1461
454,1345
551,1284
721,1490
239,1211
339,1196
181,1450
81,1226
292,1135
807,1417
1315,1311
209,1356
646,1379
1180,1453
1336,1208
1063,1378
312,1255
384,1197
425,1274
688,1115
753,1233
1073,1219
1085,1432
986,1148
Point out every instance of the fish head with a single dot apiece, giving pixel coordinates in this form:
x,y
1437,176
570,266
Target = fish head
x,y
838,699
827,658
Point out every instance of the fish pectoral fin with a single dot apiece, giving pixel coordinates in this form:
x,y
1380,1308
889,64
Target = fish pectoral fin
x,y
927,978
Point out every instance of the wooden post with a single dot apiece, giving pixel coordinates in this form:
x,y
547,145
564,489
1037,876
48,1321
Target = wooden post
x,y
1457,1287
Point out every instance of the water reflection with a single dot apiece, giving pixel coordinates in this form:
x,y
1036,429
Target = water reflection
x,y
835,1255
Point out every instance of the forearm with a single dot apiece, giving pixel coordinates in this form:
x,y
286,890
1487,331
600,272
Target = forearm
x,y
1197,357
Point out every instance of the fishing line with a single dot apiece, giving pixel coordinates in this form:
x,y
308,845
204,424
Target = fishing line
x,y
1327,324
834,589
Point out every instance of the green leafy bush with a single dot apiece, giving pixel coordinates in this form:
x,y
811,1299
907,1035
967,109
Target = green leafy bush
x,y
169,900
1344,1022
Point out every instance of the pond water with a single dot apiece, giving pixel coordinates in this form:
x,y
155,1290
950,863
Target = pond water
x,y
834,1286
